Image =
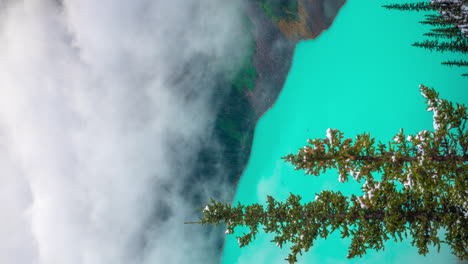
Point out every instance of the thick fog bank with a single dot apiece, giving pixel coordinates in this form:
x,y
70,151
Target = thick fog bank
x,y
104,106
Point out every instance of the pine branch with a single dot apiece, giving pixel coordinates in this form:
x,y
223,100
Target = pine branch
x,y
450,30
441,35
441,23
421,6
455,46
459,63
439,20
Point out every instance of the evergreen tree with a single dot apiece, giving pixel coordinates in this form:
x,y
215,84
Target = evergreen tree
x,y
451,20
414,187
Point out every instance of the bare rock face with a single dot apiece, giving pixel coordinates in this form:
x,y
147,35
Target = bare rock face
x,y
276,42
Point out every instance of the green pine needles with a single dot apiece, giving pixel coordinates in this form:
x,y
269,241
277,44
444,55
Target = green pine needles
x,y
427,6
443,46
413,187
420,6
449,23
459,63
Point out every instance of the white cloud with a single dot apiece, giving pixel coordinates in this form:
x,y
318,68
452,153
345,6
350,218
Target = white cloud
x,y
103,106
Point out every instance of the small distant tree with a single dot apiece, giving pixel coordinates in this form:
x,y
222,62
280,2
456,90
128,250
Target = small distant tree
x,y
414,186
450,22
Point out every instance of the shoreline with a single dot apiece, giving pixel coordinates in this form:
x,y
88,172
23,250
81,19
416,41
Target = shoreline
x,y
260,115
266,99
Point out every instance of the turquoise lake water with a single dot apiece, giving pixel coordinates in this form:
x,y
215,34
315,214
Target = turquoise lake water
x,y
361,75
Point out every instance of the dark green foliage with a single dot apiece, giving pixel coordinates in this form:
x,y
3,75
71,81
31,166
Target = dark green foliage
x,y
234,122
454,46
439,21
280,9
459,63
244,80
422,187
440,35
230,128
449,17
455,31
421,6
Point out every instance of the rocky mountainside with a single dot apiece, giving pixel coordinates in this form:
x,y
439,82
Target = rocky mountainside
x,y
275,39
274,27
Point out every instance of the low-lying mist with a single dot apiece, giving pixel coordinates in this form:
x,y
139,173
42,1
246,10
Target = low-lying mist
x,y
104,106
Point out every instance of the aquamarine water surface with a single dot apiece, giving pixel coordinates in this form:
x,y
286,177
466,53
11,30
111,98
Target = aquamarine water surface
x,y
361,75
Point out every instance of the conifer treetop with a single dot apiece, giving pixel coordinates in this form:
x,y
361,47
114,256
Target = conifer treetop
x,y
450,23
